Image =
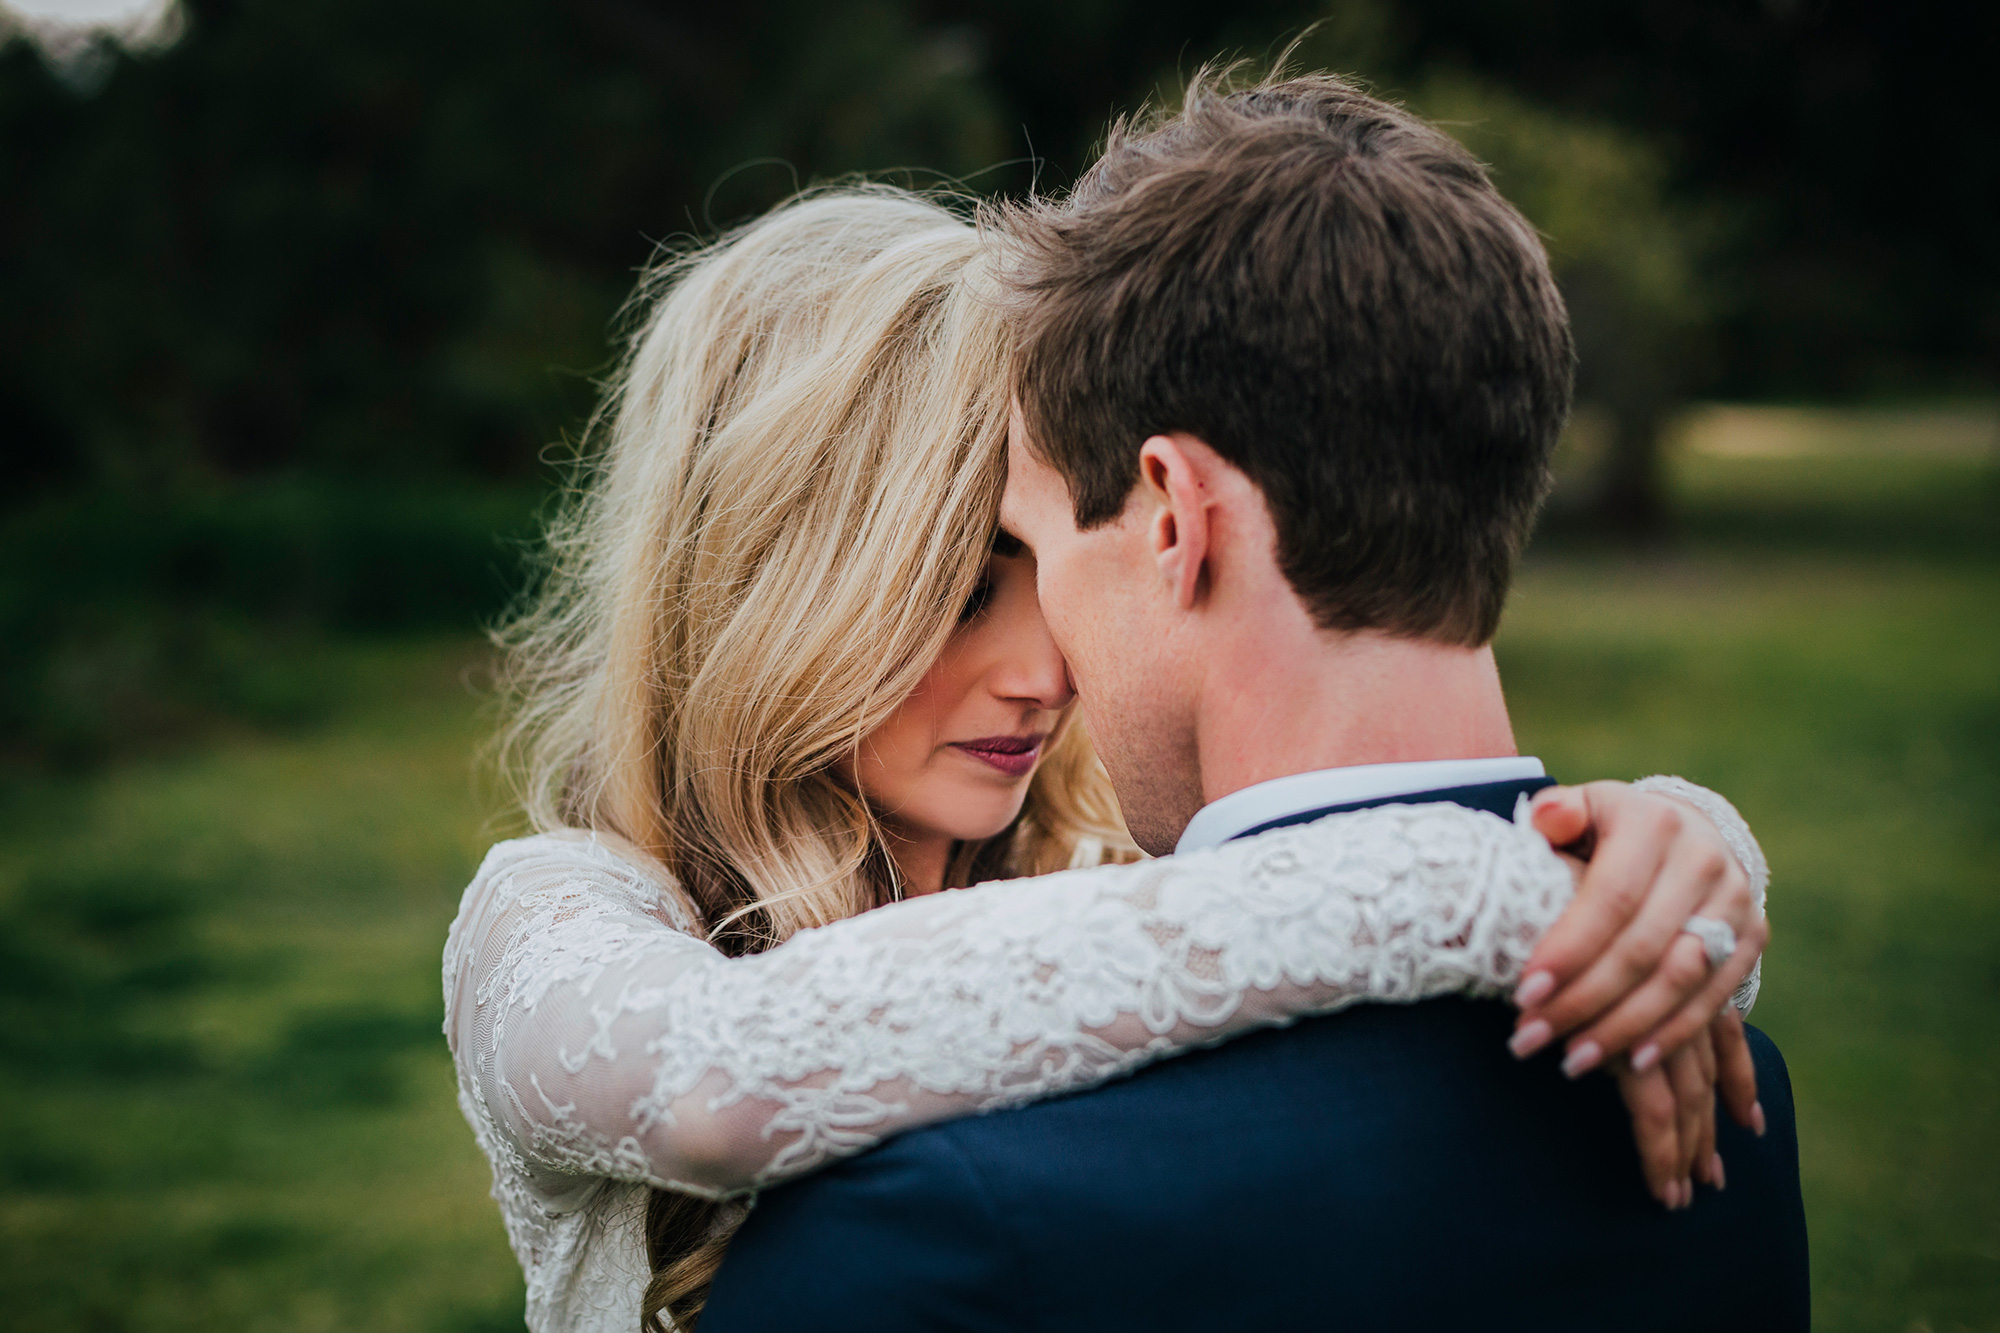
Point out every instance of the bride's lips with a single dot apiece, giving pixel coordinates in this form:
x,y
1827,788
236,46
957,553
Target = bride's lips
x,y
1013,755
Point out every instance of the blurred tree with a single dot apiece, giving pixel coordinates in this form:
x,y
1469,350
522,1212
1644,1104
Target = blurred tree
x,y
1630,260
1836,153
1846,141
361,238
354,236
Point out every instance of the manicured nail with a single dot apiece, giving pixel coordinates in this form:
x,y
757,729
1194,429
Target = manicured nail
x,y
1644,1058
1687,1192
1534,988
1715,1172
1531,1038
1757,1118
1582,1060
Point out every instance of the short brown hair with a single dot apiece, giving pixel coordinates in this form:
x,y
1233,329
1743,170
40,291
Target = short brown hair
x,y
1331,294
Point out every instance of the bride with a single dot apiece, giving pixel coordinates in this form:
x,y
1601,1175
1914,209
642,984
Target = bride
x,y
781,686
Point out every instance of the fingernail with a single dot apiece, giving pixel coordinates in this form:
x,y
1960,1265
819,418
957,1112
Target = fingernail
x,y
1531,1038
1715,1172
1643,1058
1534,988
1687,1192
1757,1118
1583,1059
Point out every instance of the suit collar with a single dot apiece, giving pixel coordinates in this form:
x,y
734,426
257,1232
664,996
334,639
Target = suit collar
x,y
1303,796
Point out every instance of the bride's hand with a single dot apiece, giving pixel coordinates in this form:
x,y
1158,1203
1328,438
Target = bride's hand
x,y
1673,1108
1617,972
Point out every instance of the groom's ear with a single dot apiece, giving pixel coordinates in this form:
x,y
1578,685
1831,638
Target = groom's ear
x,y
1170,480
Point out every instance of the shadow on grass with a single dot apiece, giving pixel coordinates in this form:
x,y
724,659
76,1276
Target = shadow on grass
x,y
96,975
84,962
345,1057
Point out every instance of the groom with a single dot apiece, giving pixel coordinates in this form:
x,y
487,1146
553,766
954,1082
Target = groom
x,y
1289,372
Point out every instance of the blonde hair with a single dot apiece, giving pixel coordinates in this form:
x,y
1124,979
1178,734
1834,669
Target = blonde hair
x,y
794,492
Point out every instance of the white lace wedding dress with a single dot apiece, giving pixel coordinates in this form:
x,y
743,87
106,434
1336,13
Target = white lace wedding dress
x,y
603,1048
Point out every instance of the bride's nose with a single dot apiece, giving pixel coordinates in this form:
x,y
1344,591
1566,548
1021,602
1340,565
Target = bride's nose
x,y
1030,669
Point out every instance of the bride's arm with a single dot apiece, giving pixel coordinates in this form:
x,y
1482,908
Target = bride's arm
x,y
601,1041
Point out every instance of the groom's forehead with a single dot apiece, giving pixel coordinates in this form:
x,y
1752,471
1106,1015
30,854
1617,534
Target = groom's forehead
x,y
1034,490
1011,524
1017,439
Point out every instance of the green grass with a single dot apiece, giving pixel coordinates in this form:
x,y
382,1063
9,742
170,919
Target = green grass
x,y
231,1108
1847,697
220,987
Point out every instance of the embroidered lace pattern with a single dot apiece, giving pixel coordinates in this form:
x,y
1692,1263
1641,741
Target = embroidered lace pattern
x,y
603,1048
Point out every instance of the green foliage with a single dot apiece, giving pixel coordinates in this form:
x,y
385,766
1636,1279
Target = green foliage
x,y
371,239
1630,261
375,242
131,620
1598,193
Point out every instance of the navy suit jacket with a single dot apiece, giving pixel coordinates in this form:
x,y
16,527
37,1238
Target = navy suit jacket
x,y
1390,1167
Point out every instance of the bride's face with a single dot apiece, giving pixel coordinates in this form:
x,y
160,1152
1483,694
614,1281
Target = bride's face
x,y
953,761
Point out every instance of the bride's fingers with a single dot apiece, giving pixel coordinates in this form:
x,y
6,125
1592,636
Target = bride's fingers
x,y
1649,1098
1683,970
1735,1071
1653,968
1632,845
1694,1104
1709,1002
1562,815
1647,1022
1707,1162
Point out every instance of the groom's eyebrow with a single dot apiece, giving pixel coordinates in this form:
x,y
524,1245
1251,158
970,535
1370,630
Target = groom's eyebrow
x,y
1006,543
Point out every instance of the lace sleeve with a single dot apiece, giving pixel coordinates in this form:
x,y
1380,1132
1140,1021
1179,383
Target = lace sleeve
x,y
1736,832
601,1039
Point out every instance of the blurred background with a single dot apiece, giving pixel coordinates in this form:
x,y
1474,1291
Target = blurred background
x,y
303,302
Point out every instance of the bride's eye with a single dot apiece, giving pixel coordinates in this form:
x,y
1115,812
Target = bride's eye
x,y
976,603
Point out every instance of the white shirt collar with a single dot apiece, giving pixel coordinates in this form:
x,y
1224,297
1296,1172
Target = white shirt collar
x,y
1220,820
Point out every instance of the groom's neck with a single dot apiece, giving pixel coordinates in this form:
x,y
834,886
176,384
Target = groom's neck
x,y
1335,700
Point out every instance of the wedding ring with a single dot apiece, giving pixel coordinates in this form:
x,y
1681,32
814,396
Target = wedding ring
x,y
1717,939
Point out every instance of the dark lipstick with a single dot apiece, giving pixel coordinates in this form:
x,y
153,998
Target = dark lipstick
x,y
1013,755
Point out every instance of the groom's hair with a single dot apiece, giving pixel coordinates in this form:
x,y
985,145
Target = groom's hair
x,y
1331,294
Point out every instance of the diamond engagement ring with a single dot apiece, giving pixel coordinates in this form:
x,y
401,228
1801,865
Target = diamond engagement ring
x,y
1717,939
